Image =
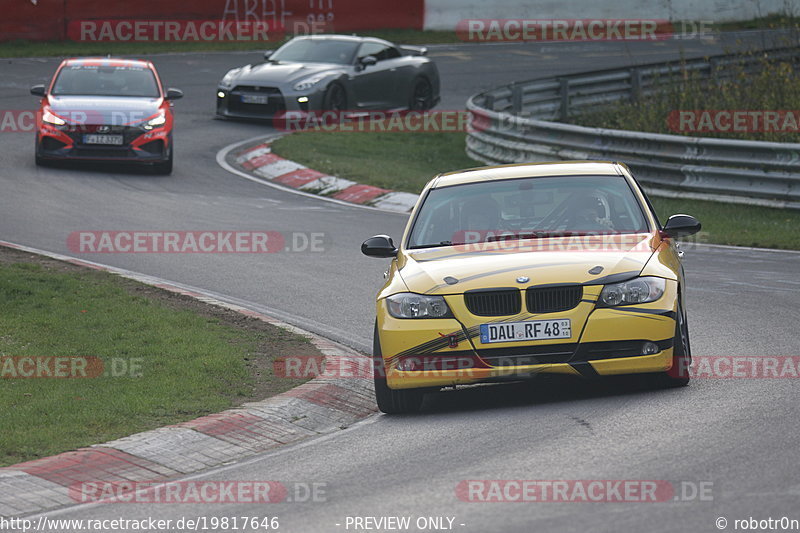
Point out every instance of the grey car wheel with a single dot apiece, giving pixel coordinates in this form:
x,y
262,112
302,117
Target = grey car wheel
x,y
335,98
421,95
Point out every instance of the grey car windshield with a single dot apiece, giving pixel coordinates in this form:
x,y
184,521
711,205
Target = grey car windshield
x,y
90,80
527,208
317,51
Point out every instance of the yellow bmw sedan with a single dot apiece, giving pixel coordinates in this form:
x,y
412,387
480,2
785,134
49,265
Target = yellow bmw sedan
x,y
506,272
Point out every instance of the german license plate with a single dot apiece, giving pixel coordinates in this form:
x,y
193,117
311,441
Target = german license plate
x,y
255,99
97,138
531,330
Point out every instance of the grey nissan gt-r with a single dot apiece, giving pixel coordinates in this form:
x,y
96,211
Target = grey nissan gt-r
x,y
331,72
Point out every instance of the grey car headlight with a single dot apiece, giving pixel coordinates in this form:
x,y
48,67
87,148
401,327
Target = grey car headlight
x,y
635,291
227,80
410,305
306,84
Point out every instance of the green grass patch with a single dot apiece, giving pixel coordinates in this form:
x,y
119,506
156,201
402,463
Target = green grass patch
x,y
186,362
775,87
397,161
406,162
737,225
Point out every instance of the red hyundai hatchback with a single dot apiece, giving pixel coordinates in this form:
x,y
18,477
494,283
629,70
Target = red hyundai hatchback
x,y
108,110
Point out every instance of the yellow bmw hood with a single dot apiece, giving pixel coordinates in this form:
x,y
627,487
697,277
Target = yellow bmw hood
x,y
456,269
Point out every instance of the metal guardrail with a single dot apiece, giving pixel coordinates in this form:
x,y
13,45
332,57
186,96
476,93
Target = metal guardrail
x,y
515,124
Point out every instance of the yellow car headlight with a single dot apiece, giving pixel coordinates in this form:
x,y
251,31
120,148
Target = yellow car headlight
x,y
635,291
410,305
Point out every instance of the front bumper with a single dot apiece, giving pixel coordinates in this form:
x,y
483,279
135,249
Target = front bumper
x,y
138,145
606,341
231,104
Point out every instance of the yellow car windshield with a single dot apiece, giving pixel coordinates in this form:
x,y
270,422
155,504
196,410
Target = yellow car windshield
x,y
527,208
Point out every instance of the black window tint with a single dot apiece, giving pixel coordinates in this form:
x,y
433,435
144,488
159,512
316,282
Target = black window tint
x,y
316,51
380,51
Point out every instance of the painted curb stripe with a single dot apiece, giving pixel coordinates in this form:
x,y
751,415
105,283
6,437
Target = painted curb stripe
x,y
261,161
278,167
360,194
94,464
331,396
327,185
255,151
298,178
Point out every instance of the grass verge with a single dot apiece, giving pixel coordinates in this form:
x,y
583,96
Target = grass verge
x,y
166,358
405,162
398,161
774,88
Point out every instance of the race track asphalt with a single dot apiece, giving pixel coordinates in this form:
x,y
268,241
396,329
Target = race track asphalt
x,y
739,434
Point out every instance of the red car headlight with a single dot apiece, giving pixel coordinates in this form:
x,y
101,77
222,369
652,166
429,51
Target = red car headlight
x,y
50,118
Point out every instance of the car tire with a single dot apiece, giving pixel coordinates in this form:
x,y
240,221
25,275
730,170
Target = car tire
x,y
40,161
421,98
678,375
164,168
391,401
335,98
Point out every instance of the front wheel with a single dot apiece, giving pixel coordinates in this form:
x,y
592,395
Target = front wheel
x,y
678,375
421,95
164,168
39,160
391,401
335,98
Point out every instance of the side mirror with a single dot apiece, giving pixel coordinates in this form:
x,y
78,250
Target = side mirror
x,y
268,54
174,94
368,61
681,226
379,246
38,90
